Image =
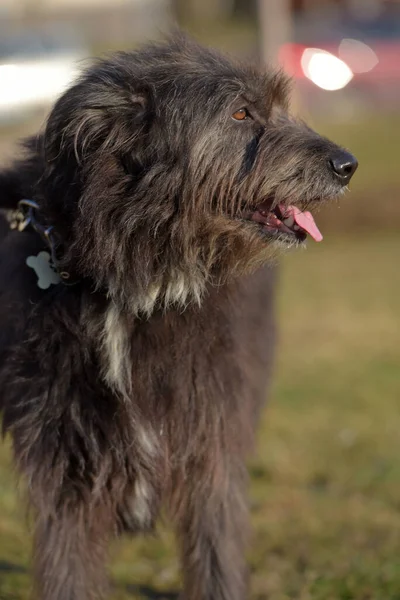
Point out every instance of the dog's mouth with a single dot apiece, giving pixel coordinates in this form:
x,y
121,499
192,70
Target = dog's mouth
x,y
285,222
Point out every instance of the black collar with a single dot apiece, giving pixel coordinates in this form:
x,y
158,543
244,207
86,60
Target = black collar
x,y
25,217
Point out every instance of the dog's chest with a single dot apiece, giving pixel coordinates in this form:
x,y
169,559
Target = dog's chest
x,y
172,363
192,372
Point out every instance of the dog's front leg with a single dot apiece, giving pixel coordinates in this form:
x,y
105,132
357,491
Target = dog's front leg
x,y
73,505
68,446
213,530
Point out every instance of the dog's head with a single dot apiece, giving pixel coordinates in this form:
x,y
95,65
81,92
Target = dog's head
x,y
171,168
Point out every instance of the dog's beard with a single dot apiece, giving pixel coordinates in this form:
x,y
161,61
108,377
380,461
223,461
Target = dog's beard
x,y
205,250
219,252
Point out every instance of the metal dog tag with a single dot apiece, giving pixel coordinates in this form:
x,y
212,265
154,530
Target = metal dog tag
x,y
44,270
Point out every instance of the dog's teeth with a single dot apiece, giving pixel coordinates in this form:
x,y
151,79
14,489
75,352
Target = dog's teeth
x,y
289,221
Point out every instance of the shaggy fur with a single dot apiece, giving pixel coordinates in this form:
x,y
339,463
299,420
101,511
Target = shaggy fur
x,y
141,383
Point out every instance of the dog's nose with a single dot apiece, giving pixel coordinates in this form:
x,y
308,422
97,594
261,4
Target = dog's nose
x,y
344,165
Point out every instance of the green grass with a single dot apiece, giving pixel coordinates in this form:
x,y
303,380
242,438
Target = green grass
x,y
326,490
326,477
373,199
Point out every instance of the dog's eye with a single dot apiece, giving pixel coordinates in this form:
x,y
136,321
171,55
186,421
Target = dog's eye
x,y
241,115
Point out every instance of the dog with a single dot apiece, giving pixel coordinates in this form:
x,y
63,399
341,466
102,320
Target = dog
x,y
136,304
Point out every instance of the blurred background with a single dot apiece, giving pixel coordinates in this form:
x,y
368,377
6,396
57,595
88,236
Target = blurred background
x,y
325,485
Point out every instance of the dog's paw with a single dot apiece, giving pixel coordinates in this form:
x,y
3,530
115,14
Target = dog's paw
x,y
45,273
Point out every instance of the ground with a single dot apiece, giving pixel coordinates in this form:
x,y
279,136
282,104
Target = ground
x,y
325,479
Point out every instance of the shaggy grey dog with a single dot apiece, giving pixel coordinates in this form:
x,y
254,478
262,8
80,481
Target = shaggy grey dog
x,y
163,183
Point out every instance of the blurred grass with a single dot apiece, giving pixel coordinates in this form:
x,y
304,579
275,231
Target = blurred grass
x,y
374,139
326,485
326,478
373,201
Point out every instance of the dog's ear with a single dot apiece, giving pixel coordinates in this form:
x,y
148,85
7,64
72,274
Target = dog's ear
x,y
92,128
139,107
97,116
129,152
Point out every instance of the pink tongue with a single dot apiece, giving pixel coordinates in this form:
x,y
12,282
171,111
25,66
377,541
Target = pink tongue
x,y
305,220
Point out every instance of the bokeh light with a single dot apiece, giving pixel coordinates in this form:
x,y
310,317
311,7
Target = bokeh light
x,y
360,57
325,70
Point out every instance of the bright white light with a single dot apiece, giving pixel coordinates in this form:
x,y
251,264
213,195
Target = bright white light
x,y
360,57
38,82
325,70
